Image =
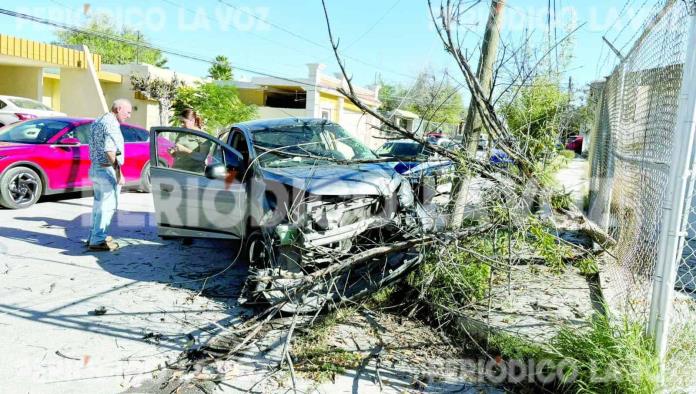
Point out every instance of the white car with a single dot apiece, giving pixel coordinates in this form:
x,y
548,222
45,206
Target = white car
x,y
16,109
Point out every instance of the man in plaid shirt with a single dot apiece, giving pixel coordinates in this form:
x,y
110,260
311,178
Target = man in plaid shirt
x,y
106,152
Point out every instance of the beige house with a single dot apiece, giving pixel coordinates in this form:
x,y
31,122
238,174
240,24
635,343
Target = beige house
x,y
67,79
74,81
145,111
315,96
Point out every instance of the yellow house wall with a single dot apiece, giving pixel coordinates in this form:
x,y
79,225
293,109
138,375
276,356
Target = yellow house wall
x,y
21,81
46,53
141,108
82,93
252,96
51,93
329,101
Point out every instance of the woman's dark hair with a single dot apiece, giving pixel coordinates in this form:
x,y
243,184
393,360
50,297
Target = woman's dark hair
x,y
188,113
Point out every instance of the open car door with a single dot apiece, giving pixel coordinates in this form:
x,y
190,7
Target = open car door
x,y
195,185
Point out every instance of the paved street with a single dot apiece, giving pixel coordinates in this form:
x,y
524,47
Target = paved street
x,y
157,304
52,339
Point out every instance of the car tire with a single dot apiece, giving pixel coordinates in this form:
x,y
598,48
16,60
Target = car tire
x,y
145,182
256,249
20,187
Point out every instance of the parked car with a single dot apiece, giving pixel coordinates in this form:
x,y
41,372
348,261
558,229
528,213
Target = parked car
x,y
51,155
301,193
17,109
499,157
426,171
434,136
574,143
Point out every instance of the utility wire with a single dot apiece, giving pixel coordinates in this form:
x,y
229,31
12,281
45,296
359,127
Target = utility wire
x,y
377,22
147,45
309,40
141,44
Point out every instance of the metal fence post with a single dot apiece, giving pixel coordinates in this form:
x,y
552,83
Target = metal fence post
x,y
605,218
673,206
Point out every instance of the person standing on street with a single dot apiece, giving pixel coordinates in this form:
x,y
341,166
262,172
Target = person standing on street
x,y
106,152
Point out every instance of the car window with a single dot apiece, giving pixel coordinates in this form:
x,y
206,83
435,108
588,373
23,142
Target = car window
x,y
239,144
142,135
224,136
129,134
306,143
29,104
2,104
187,151
80,132
32,132
401,149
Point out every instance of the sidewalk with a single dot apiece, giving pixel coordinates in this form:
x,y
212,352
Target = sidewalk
x,y
574,178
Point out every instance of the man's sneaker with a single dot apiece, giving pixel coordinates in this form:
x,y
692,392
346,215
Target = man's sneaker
x,y
108,239
105,246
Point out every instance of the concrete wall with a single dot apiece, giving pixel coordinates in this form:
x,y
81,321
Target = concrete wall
x,y
85,96
251,96
51,93
145,112
22,81
274,113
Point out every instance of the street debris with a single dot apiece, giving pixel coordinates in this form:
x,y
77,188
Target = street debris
x,y
58,353
99,311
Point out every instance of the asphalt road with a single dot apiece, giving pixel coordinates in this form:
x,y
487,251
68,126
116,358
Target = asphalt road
x,y
52,337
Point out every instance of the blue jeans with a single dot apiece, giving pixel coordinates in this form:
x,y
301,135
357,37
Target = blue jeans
x,y
106,195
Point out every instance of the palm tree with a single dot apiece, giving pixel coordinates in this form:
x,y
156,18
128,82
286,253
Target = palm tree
x,y
221,70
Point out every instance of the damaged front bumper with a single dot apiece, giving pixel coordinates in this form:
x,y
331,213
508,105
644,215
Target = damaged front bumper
x,y
337,223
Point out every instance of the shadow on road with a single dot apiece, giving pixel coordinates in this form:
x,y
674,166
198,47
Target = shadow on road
x,y
207,268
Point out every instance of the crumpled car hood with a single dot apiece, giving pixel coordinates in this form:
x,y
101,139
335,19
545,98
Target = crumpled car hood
x,y
427,167
337,180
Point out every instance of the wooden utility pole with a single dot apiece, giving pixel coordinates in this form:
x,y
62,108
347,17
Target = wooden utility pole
x,y
473,125
484,73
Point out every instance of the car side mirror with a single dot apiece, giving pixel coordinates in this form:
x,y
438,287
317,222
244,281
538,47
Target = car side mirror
x,y
221,171
69,141
216,171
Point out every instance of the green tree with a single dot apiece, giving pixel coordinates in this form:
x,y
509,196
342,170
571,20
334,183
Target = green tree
x,y
157,89
221,69
431,97
218,105
390,96
535,116
435,99
112,51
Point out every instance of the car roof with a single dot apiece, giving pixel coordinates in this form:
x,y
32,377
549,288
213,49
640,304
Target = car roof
x,y
17,97
403,141
280,122
75,121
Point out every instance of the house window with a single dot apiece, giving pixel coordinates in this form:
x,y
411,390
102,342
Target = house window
x,y
326,114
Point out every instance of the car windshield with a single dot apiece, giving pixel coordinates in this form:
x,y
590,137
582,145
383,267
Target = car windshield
x,y
33,131
400,149
28,104
306,144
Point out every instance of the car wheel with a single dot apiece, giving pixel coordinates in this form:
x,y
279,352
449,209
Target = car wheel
x,y
20,187
145,180
256,249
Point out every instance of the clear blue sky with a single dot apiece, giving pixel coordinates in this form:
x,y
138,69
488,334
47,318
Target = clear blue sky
x,y
393,38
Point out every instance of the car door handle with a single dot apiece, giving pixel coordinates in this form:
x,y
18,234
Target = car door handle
x,y
166,188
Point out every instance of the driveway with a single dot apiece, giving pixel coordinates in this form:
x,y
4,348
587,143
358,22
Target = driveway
x,y
157,301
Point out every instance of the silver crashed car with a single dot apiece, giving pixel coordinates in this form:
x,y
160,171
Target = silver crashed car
x,y
300,193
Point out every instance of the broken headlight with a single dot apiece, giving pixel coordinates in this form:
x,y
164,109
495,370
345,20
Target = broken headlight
x,y
406,196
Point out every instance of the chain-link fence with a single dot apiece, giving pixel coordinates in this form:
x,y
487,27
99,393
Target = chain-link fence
x,y
639,161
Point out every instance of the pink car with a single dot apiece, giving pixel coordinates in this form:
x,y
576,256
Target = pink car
x,y
51,155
